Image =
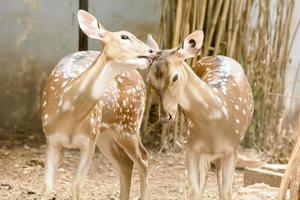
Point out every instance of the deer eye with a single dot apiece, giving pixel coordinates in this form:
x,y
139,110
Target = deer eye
x,y
175,78
124,37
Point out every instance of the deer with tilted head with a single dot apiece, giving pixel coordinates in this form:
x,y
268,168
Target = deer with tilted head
x,y
71,100
217,100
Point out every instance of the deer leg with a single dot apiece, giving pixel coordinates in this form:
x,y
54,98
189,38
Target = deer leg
x,y
132,146
143,170
119,159
53,154
193,174
228,168
204,167
86,155
219,175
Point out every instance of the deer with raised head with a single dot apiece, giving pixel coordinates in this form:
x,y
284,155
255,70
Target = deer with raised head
x,y
216,99
72,107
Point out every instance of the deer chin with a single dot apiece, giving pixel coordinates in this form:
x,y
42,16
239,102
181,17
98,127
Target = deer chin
x,y
145,59
137,63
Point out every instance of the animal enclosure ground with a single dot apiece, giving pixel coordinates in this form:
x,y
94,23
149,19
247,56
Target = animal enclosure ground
x,y
22,169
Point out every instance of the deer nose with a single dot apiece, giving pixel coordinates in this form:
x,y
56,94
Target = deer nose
x,y
166,117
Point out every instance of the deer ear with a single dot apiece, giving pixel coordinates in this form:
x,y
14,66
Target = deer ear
x,y
89,25
152,43
192,44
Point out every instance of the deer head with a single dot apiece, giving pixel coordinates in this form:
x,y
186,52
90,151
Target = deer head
x,y
121,48
167,75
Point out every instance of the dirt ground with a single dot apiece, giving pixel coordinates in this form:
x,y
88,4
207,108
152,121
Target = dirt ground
x,y
22,169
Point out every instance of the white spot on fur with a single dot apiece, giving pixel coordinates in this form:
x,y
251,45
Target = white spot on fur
x,y
92,120
67,106
64,84
215,115
224,90
225,111
219,99
237,121
236,107
60,102
105,125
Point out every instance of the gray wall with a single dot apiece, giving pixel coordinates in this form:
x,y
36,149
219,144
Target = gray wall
x,y
36,34
139,17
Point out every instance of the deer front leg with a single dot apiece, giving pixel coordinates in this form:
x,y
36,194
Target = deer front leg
x,y
52,159
219,175
193,174
228,168
204,168
134,149
86,155
119,159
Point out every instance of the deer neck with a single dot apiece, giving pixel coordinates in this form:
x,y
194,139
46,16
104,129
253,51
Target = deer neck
x,y
85,91
198,101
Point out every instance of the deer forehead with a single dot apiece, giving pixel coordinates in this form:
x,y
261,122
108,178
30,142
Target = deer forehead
x,y
125,48
170,55
163,74
132,39
117,35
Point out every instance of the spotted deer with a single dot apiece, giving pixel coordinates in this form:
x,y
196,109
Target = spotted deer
x,y
72,108
217,100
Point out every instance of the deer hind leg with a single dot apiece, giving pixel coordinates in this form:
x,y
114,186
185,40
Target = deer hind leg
x,y
228,169
135,150
87,150
192,162
143,170
119,159
52,159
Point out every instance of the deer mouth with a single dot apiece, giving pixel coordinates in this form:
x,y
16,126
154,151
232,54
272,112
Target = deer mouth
x,y
166,118
148,58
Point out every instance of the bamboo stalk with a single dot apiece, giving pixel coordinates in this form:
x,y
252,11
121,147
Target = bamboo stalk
x,y
202,13
209,14
230,24
177,23
213,27
235,30
222,22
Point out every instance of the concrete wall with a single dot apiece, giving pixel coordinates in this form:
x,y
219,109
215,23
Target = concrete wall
x,y
36,34
139,17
